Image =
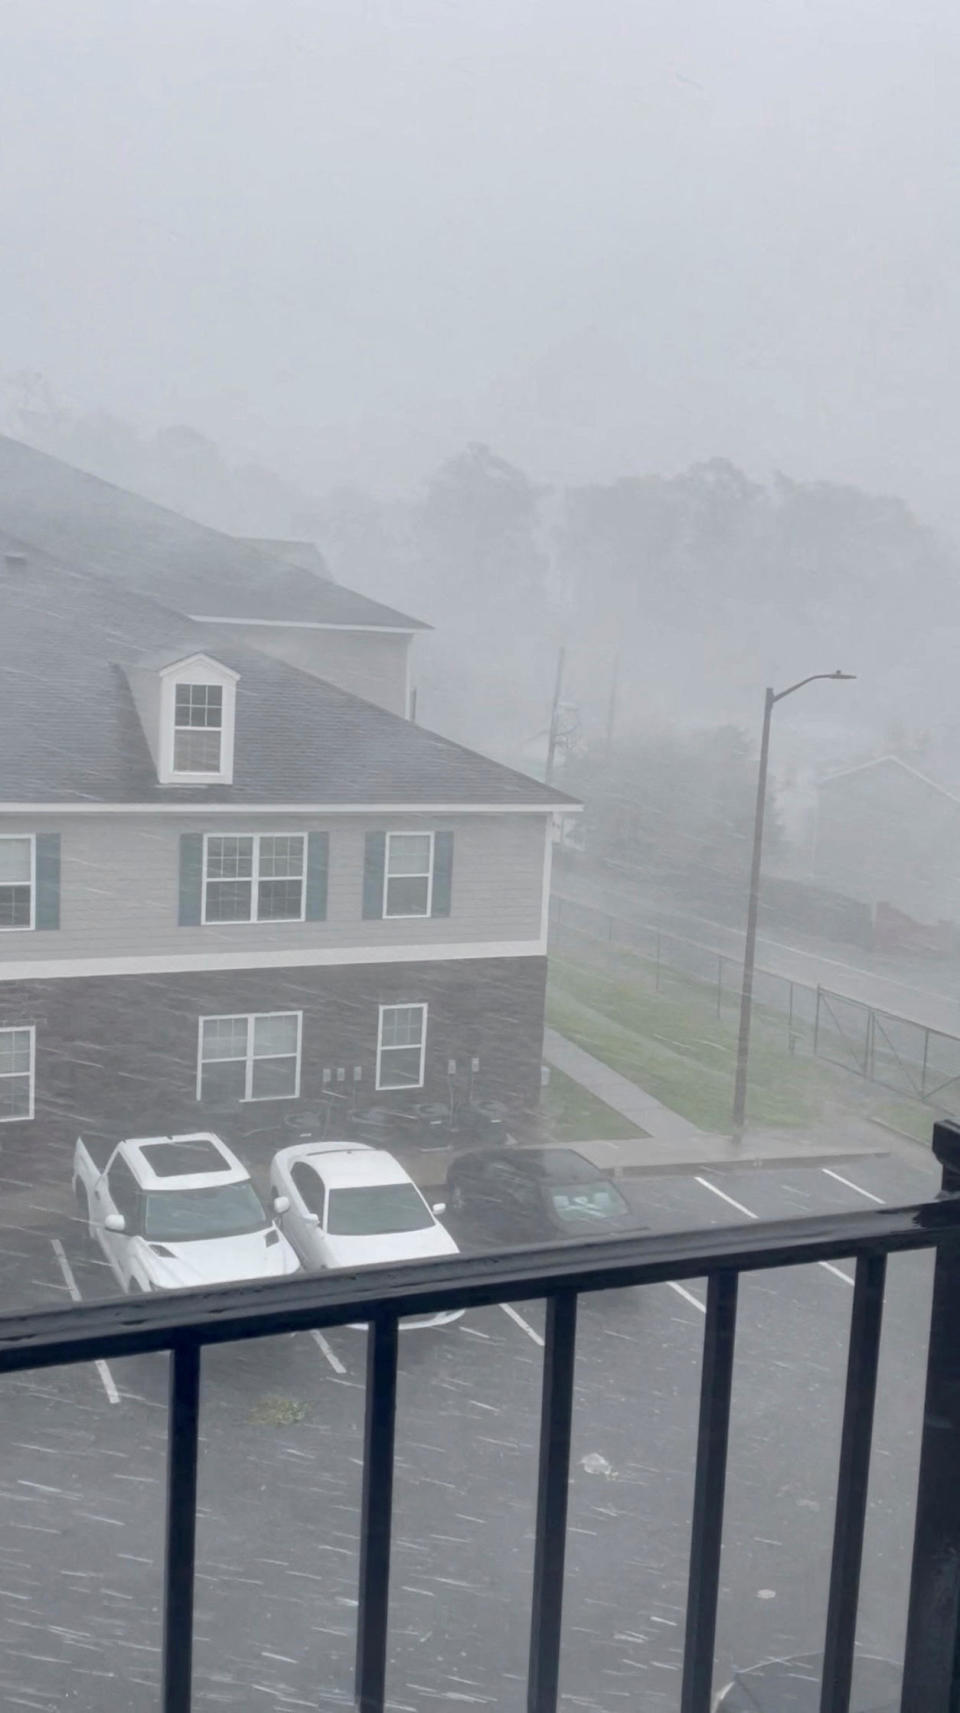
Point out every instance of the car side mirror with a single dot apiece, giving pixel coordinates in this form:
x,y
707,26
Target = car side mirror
x,y
115,1222
311,1219
281,1204
439,1207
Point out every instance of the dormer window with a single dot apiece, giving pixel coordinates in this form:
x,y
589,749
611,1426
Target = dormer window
x,y
198,728
197,706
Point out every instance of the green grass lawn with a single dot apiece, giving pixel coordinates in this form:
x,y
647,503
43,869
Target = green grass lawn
x,y
570,1113
675,1046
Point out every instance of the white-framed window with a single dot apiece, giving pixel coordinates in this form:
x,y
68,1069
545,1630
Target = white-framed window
x,y
198,728
17,1058
408,874
254,877
18,889
401,1046
254,1057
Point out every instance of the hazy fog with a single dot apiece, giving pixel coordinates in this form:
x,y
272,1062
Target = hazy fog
x,y
346,238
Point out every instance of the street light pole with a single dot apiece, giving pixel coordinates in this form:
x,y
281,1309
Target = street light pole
x,y
770,699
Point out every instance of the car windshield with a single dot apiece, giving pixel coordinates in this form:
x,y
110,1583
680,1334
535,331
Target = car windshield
x,y
588,1201
185,1216
377,1208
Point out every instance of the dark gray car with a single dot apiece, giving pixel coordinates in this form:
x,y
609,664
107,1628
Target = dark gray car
x,y
535,1195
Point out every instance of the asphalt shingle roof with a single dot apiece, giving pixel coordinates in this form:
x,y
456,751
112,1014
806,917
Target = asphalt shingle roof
x,y
86,522
73,735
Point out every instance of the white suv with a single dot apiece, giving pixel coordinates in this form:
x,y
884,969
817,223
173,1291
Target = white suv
x,y
170,1211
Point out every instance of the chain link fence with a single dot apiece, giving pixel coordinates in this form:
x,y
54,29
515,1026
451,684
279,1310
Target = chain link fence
x,y
895,1052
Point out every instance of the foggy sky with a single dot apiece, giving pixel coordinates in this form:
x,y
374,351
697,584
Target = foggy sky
x,y
602,235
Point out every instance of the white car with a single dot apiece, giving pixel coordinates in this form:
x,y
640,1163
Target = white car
x,y
350,1205
172,1211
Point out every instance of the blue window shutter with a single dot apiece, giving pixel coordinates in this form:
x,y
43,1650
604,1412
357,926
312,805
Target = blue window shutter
x,y
374,859
442,874
318,855
47,913
191,879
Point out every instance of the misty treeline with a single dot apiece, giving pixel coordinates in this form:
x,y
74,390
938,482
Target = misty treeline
x,y
674,804
696,588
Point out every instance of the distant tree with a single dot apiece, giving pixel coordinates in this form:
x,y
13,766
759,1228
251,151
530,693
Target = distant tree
x,y
478,525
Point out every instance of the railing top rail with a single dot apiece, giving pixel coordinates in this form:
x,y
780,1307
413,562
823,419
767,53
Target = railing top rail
x,y
48,1337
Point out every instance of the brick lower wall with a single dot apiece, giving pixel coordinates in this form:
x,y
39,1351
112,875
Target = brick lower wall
x,y
117,1056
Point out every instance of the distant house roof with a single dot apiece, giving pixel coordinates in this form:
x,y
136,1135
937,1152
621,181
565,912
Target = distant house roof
x,y
83,521
68,640
888,761
305,555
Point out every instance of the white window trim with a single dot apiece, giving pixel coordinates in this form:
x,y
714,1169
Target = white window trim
x,y
18,1029
25,927
402,1005
196,669
407,915
254,919
249,1017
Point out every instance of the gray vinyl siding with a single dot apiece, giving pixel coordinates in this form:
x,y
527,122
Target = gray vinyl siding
x,y
120,879
371,664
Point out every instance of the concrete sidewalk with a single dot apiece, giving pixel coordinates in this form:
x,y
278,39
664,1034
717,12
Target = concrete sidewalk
x,y
633,1103
672,1143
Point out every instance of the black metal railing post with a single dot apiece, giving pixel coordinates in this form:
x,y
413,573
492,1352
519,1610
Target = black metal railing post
x,y
183,1423
706,1535
866,1319
556,1414
376,1513
930,1675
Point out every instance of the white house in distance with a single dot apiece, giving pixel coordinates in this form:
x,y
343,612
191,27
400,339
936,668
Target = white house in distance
x,y
889,834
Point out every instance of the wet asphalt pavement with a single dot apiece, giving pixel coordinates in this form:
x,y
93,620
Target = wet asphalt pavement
x,y
83,1469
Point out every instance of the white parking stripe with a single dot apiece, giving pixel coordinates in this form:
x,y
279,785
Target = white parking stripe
x,y
331,1355
836,1271
109,1384
724,1197
687,1296
530,1331
851,1186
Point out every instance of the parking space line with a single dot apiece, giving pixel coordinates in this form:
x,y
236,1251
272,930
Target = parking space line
x,y
687,1296
107,1380
530,1331
331,1356
724,1197
851,1186
836,1271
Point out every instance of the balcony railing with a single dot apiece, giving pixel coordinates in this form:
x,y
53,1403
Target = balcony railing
x,y
184,1322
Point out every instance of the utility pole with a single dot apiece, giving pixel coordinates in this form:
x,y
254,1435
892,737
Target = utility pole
x,y
554,719
750,944
612,706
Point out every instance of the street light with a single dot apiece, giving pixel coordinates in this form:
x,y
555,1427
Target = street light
x,y
771,697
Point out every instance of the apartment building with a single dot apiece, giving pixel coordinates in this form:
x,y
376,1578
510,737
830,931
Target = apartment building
x,y
234,875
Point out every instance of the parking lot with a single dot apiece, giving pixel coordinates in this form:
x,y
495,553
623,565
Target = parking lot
x,y
82,1481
